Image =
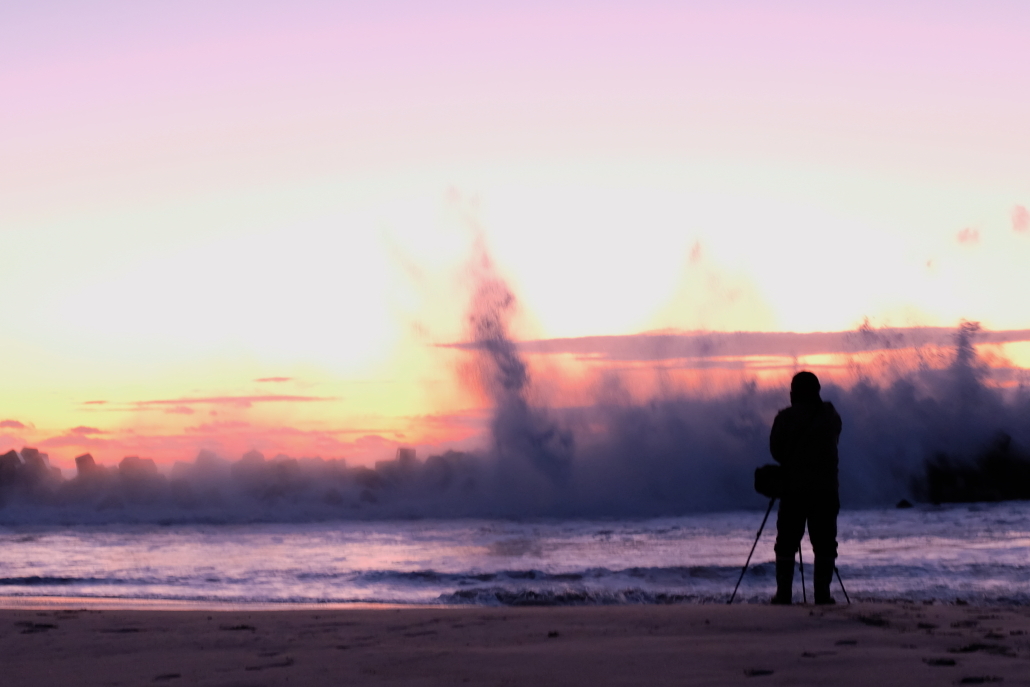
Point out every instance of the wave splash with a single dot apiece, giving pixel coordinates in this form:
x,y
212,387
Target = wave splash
x,y
938,430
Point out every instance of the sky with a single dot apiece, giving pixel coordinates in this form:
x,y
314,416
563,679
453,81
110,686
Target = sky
x,y
250,225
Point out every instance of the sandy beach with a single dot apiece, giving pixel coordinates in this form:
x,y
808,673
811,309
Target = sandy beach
x,y
861,644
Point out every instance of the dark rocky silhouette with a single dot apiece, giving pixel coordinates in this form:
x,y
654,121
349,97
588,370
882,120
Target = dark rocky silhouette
x,y
1000,473
28,475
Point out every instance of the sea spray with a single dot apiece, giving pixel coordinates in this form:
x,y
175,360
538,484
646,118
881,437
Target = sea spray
x,y
939,430
531,454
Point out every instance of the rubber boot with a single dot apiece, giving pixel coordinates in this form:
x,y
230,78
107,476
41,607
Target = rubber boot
x,y
823,577
784,581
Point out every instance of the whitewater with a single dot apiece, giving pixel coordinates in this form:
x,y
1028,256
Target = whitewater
x,y
962,553
617,502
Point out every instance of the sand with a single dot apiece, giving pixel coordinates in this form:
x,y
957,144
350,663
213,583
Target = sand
x,y
862,644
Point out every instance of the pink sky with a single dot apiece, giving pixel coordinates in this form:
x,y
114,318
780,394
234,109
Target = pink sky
x,y
197,196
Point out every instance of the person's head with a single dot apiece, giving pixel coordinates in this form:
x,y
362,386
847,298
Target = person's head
x,y
804,388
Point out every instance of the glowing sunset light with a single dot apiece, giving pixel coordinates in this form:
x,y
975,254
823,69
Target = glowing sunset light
x,y
237,226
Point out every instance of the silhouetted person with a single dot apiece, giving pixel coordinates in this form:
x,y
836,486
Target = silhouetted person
x,y
804,441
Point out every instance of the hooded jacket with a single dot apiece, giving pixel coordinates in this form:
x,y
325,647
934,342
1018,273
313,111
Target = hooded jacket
x,y
804,441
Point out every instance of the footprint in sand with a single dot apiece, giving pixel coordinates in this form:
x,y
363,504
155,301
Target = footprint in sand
x,y
285,663
939,661
993,649
33,628
757,672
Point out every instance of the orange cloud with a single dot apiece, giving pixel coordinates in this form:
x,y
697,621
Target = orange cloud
x,y
238,401
82,430
358,444
70,439
211,427
716,346
11,424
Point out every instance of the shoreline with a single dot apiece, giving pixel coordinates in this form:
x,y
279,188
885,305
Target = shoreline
x,y
103,603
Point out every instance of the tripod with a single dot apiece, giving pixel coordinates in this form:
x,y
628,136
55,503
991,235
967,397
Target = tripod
x,y
748,562
801,565
758,536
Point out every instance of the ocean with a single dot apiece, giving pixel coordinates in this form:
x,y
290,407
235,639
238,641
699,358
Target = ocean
x,y
968,553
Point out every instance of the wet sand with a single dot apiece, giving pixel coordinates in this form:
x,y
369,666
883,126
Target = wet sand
x,y
862,644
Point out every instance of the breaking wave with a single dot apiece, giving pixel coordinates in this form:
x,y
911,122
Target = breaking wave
x,y
937,430
977,553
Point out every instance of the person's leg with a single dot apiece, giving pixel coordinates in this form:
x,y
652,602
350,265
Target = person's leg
x,y
790,528
822,532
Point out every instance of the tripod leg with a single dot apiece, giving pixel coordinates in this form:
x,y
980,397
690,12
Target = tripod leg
x,y
801,564
842,584
748,561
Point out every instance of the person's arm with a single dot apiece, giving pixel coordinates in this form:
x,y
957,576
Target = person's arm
x,y
777,440
836,424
